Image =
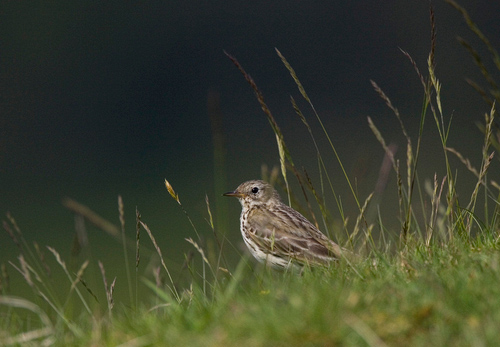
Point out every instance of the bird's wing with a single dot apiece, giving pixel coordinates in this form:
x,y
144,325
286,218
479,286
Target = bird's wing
x,y
285,231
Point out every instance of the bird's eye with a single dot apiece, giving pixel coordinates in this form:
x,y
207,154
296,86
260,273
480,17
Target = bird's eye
x,y
255,190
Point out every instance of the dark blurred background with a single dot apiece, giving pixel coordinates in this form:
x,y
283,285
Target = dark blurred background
x,y
100,98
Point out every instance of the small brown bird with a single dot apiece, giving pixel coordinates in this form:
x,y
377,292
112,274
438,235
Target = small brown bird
x,y
278,235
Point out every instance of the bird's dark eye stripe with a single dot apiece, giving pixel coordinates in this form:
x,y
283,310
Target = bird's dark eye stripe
x,y
255,190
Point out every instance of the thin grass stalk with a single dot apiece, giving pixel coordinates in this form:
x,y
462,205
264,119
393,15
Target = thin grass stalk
x,y
382,229
387,164
171,287
482,178
12,236
137,251
485,164
270,117
443,134
321,164
480,91
412,164
464,161
219,160
108,290
220,244
174,195
283,166
389,104
71,280
162,294
400,191
411,159
125,252
402,202
486,161
265,108
25,269
25,337
41,258
73,327
479,63
28,253
306,97
205,261
422,200
359,220
92,217
319,201
230,289
486,204
267,112
79,275
442,129
435,203
489,120
473,27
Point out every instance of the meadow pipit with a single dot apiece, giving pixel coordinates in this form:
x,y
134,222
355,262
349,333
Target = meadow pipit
x,y
278,235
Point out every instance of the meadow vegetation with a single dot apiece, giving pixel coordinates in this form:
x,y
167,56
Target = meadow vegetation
x,y
434,281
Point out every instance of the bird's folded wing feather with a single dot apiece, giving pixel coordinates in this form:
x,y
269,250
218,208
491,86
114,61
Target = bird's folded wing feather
x,y
288,231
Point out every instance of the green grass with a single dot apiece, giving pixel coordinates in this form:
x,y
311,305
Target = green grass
x,y
441,296
438,296
434,281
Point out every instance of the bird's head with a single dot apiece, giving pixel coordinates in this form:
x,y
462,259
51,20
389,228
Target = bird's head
x,y
255,193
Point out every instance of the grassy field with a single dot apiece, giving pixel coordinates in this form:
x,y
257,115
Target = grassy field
x,y
436,281
438,295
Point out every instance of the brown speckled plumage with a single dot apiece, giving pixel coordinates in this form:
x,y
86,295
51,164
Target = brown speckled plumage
x,y
278,235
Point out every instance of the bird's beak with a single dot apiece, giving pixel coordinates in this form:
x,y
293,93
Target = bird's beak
x,y
235,194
